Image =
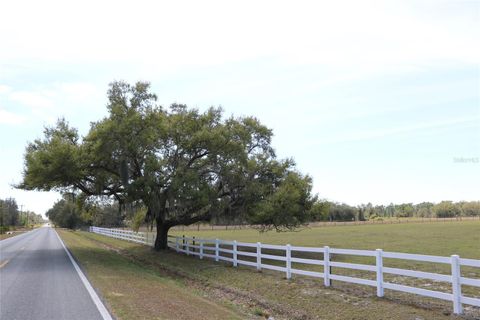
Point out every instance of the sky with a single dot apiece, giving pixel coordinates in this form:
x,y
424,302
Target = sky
x,y
379,101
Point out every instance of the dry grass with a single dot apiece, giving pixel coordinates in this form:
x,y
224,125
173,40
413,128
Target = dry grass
x,y
6,236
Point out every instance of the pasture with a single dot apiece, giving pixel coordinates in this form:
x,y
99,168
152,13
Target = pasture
x,y
433,238
440,239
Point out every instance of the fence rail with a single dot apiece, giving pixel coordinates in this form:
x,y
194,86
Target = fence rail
x,y
252,255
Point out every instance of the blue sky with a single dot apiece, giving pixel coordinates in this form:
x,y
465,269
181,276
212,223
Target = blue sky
x,y
378,101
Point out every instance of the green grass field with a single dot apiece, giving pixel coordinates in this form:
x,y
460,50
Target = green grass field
x,y
436,238
244,293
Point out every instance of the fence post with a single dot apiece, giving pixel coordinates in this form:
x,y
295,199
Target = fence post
x,y
235,263
193,244
187,245
456,285
379,258
201,249
289,261
216,249
259,256
177,247
326,266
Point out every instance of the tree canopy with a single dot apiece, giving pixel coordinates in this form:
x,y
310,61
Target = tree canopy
x,y
183,165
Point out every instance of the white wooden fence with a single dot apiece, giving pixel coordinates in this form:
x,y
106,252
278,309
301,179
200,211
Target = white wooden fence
x,y
218,249
138,237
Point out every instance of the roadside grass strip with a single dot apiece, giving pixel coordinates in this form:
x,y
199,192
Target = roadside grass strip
x,y
134,291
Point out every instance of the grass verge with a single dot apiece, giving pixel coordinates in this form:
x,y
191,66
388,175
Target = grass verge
x,y
135,291
9,235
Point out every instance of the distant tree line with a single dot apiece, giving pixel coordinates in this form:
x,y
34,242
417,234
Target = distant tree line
x,y
334,211
11,216
74,212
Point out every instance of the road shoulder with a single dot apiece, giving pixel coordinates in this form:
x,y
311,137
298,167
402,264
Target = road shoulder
x,y
136,291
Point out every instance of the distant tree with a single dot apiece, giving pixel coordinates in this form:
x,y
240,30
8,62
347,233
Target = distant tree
x,y
361,213
446,209
31,218
182,165
64,213
342,212
320,210
102,213
471,208
379,211
9,213
424,209
404,210
390,210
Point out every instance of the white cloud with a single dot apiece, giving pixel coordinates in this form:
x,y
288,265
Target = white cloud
x,y
52,100
10,118
361,35
33,99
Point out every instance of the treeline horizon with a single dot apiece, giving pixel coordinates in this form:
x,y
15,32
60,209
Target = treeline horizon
x,y
11,216
73,213
324,210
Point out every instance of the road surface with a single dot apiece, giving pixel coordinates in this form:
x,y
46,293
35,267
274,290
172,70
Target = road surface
x,y
39,281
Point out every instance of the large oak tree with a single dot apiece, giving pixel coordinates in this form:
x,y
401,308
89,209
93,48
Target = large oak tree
x,y
183,165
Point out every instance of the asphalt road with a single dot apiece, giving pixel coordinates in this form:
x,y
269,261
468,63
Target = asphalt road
x,y
39,281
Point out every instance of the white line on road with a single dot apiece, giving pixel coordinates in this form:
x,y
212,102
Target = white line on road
x,y
101,308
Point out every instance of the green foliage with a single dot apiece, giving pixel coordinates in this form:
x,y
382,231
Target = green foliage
x,y
424,209
286,207
54,162
183,165
320,211
101,213
65,213
11,216
342,212
404,210
471,208
9,213
446,209
138,219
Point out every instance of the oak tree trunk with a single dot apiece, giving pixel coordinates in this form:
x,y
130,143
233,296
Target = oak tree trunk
x,y
161,241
